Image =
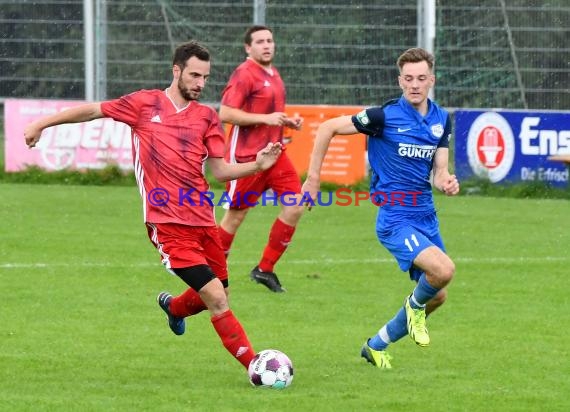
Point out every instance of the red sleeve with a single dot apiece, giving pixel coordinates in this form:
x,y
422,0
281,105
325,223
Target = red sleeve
x,y
237,90
214,138
124,109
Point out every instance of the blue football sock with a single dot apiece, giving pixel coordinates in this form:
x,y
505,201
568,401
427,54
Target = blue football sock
x,y
391,332
397,328
422,293
377,343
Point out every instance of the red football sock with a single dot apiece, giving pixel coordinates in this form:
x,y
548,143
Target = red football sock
x,y
233,337
226,239
279,238
187,304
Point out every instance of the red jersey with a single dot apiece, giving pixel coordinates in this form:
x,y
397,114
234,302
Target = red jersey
x,y
169,148
254,90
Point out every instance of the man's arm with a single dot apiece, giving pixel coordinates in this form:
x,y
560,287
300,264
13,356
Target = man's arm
x,y
442,180
242,118
77,114
327,130
224,171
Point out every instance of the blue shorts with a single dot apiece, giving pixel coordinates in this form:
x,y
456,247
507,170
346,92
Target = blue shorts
x,y
406,238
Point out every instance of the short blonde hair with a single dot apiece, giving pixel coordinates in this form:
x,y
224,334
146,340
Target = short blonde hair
x,y
416,55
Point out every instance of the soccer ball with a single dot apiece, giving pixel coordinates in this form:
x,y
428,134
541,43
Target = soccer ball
x,y
271,368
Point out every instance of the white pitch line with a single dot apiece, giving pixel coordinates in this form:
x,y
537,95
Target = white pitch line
x,y
318,261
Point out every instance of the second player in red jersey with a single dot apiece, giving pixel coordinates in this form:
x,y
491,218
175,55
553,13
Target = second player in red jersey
x,y
253,102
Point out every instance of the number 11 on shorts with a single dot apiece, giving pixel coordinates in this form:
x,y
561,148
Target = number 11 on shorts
x,y
409,244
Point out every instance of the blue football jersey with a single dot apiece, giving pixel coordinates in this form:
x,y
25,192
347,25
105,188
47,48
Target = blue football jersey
x,y
401,147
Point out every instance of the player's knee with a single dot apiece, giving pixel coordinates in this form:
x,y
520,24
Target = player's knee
x,y
236,220
450,271
292,214
216,300
447,272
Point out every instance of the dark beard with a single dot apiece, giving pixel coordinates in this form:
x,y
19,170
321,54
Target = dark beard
x,y
187,94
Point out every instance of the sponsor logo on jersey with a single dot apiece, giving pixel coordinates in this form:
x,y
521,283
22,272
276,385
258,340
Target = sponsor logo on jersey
x,y
156,119
491,146
416,150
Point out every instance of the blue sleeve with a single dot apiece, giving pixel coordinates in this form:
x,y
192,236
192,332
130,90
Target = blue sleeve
x,y
369,121
444,141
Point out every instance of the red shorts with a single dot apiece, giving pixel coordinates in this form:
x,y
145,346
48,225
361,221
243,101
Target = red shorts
x,y
182,246
281,178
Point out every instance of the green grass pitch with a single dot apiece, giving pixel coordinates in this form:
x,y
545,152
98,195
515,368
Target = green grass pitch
x,y
80,329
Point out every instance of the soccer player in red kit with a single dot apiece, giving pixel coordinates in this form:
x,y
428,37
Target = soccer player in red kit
x,y
253,102
172,137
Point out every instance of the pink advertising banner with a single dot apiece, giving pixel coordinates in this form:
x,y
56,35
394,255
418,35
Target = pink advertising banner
x,y
79,146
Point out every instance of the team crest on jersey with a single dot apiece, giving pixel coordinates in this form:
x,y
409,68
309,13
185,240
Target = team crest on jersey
x,y
363,117
437,130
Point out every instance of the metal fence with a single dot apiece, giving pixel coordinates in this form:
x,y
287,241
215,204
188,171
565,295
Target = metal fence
x,y
500,53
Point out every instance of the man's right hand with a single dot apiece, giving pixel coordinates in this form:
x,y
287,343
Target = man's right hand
x,y
311,188
294,122
267,156
32,134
